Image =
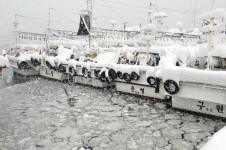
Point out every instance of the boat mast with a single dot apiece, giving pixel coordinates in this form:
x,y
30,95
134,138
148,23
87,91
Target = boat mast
x,y
211,40
15,30
90,13
48,32
195,14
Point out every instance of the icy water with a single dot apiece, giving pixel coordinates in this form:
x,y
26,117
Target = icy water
x,y
42,114
10,79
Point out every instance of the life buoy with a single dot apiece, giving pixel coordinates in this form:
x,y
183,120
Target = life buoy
x,y
86,73
135,76
112,74
120,75
23,65
127,77
71,70
171,87
151,80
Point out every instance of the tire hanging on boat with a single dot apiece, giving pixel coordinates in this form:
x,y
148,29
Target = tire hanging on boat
x,y
151,81
171,87
120,75
135,76
23,65
86,73
127,77
112,74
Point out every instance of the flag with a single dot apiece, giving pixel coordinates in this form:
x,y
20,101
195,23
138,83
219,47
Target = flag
x,y
84,26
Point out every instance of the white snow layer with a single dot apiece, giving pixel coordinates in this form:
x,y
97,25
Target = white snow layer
x,y
217,14
217,142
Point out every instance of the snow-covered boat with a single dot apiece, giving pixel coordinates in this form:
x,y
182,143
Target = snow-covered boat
x,y
20,59
203,89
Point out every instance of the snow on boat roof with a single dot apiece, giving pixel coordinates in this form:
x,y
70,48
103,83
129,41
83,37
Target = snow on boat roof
x,y
30,46
68,43
217,14
160,15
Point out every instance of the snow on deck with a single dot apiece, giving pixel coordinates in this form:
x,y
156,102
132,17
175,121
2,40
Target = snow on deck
x,y
51,115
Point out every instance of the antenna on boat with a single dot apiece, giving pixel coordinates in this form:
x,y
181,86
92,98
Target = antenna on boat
x,y
15,28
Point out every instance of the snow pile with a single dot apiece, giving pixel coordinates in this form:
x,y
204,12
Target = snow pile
x,y
164,63
196,31
131,68
26,56
110,57
219,13
220,50
217,142
219,16
63,55
205,16
194,75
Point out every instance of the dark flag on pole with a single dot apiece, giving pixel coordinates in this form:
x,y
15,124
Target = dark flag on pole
x,y
84,26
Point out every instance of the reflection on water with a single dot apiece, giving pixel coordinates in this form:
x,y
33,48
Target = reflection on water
x,y
9,78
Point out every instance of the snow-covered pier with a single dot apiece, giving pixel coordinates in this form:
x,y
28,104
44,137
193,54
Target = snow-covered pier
x,y
44,114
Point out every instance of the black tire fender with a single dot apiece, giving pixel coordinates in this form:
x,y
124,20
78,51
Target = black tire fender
x,y
127,77
120,75
151,81
112,74
171,87
135,76
22,65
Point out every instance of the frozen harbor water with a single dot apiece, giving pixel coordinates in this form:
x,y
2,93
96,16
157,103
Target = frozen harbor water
x,y
44,114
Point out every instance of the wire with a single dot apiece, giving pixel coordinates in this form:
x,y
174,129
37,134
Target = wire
x,y
113,10
29,18
126,4
121,8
